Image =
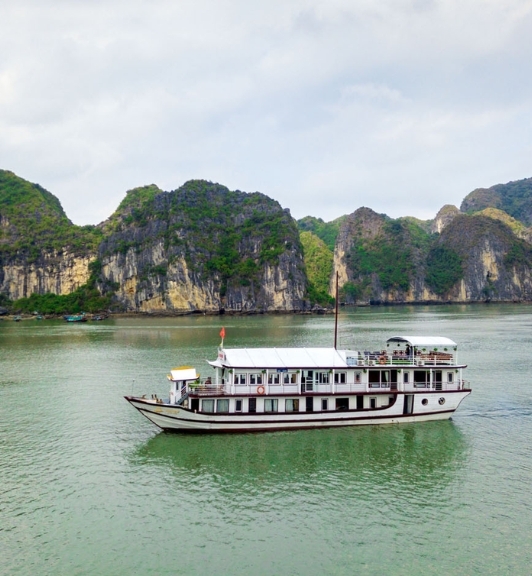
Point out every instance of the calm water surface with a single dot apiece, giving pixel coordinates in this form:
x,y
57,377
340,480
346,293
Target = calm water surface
x,y
89,487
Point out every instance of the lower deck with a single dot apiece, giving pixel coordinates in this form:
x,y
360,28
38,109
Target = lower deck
x,y
312,403
260,414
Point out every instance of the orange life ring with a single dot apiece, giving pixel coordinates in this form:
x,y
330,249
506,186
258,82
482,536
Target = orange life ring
x,y
261,390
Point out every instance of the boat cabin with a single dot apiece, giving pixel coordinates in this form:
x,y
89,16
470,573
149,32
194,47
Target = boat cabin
x,y
294,379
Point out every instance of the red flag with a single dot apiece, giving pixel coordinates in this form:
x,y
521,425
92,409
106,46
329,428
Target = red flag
x,y
222,332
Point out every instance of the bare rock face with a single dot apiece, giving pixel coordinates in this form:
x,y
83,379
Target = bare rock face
x,y
496,264
444,217
54,272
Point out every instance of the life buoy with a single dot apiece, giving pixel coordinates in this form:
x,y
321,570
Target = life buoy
x,y
260,390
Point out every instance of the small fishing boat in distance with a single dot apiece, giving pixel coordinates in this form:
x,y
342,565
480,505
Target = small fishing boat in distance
x,y
414,379
76,317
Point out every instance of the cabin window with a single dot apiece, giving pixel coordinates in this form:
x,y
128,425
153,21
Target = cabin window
x,y
252,405
222,405
207,406
238,405
290,378
379,378
373,402
324,404
405,377
323,377
291,405
385,379
421,378
255,379
342,403
358,377
274,378
340,378
450,377
240,378
308,376
270,404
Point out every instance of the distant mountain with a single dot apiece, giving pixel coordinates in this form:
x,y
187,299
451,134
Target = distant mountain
x,y
514,198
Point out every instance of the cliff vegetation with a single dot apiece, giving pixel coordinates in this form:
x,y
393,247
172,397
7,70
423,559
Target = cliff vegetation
x,y
319,267
32,220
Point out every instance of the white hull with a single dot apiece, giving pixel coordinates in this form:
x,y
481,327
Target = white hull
x,y
176,418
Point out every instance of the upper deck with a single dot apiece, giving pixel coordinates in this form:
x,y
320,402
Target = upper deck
x,y
399,351
407,364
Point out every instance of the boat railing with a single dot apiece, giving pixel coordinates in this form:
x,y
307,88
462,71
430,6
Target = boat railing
x,y
206,388
429,359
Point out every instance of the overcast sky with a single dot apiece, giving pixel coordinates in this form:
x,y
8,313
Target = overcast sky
x,y
325,106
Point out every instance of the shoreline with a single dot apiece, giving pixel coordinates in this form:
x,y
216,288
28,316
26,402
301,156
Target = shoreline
x,y
101,316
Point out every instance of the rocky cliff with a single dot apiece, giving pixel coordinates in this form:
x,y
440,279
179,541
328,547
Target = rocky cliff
x,y
203,248
475,258
199,248
40,249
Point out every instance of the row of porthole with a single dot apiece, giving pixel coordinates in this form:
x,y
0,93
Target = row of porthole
x,y
441,401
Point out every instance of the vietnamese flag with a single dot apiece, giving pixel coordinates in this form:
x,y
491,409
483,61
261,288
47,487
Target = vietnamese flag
x,y
222,332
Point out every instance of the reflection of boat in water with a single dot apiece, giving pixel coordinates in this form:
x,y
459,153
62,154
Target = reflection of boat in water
x,y
414,379
427,456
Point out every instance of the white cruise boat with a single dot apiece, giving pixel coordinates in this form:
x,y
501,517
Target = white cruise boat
x,y
416,378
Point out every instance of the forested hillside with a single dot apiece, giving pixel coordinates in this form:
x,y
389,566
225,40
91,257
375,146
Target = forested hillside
x,y
205,248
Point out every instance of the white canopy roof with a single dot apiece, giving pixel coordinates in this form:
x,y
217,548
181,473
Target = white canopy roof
x,y
264,358
184,373
423,340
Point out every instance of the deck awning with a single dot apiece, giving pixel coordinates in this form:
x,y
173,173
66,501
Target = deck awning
x,y
279,358
424,341
183,373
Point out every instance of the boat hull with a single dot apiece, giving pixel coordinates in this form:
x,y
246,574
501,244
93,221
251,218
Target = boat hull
x,y
174,418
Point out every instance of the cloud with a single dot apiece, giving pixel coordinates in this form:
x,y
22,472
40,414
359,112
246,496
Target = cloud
x,y
325,106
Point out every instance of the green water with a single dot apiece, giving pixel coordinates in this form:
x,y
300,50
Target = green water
x,y
89,487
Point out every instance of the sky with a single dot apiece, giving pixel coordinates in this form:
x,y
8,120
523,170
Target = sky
x,y
326,106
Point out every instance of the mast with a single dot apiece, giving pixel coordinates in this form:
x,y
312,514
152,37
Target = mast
x,y
336,313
